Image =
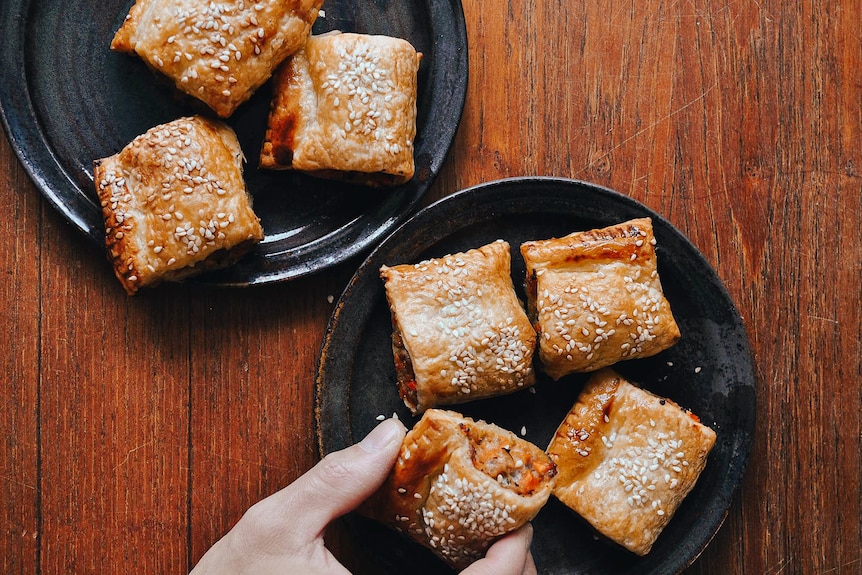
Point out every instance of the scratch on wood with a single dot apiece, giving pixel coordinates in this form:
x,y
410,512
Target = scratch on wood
x,y
130,452
842,566
16,482
664,118
829,319
784,563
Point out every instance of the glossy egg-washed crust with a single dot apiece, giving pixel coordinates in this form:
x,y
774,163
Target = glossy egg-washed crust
x,y
459,484
220,52
459,331
344,107
626,459
175,203
596,298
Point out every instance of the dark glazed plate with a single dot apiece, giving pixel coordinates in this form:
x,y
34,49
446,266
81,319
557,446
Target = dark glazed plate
x,y
710,370
66,99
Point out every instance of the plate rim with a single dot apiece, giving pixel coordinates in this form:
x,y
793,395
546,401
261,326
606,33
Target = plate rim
x,y
741,453
39,160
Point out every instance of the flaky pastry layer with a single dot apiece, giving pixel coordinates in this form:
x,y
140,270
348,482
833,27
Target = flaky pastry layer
x,y
459,331
345,107
175,203
596,298
627,458
220,53
459,484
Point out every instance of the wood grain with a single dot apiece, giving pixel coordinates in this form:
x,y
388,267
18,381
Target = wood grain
x,y
137,430
19,365
114,417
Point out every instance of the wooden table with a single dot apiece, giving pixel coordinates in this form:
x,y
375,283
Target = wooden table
x,y
137,430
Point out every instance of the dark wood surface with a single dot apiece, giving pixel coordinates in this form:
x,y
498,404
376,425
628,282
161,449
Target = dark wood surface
x,y
137,430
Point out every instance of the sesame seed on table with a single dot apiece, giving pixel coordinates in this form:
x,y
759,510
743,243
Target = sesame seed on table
x,y
138,430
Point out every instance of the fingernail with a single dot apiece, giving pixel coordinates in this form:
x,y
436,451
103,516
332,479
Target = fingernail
x,y
382,436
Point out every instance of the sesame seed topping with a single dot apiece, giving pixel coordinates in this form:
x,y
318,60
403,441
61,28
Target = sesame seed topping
x,y
357,78
485,347
468,504
182,169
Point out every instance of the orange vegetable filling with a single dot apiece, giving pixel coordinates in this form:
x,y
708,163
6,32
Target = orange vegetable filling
x,y
512,464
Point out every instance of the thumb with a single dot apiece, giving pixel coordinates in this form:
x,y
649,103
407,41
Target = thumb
x,y
341,480
510,555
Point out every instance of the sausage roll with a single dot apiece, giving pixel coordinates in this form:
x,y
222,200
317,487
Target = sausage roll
x,y
220,52
345,107
627,458
595,298
459,484
175,204
459,331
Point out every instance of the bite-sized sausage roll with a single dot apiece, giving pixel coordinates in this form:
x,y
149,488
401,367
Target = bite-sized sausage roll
x,y
627,458
459,331
175,203
344,107
219,52
595,297
459,484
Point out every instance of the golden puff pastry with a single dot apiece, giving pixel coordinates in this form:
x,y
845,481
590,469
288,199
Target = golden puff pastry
x,y
221,52
596,298
627,458
345,107
459,331
459,484
175,203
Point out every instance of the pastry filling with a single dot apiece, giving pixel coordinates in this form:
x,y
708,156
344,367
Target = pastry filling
x,y
404,370
531,287
511,463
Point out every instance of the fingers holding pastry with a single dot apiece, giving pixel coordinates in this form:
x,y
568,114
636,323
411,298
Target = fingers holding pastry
x,y
510,555
343,479
460,484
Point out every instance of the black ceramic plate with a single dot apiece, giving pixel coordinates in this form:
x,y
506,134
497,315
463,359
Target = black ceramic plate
x,y
709,371
66,99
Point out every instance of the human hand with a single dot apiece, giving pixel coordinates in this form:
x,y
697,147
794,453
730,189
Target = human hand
x,y
284,532
510,555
